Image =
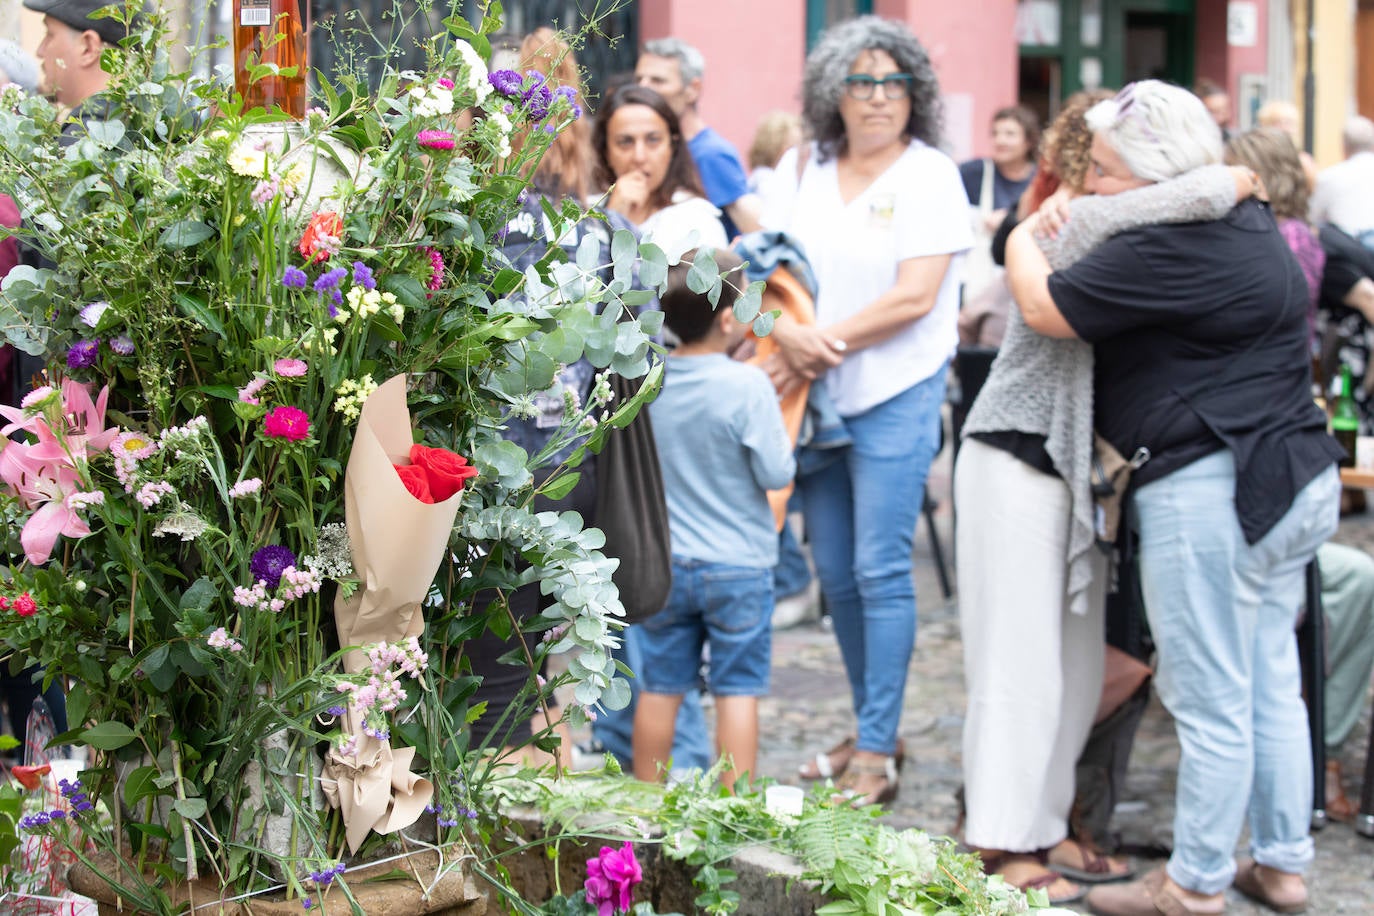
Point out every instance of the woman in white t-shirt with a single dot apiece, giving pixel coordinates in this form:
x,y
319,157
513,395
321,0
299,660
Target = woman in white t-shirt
x,y
643,159
883,216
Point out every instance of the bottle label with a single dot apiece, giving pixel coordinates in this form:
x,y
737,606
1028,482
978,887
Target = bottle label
x,y
255,12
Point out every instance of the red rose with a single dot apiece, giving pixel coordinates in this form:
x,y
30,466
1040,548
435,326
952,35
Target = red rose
x,y
30,777
321,225
416,481
24,605
447,471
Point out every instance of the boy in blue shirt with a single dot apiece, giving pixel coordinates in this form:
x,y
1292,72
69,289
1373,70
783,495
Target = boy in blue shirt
x,y
722,446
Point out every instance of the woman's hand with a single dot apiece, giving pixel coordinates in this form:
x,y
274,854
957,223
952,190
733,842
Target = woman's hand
x,y
1248,183
1053,213
785,379
630,195
807,350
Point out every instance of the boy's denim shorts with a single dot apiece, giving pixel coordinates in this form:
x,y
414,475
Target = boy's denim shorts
x,y
728,607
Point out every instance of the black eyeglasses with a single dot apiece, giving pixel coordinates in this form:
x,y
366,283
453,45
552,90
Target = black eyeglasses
x,y
860,86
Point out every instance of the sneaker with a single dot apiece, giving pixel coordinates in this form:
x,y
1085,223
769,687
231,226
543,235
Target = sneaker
x,y
800,608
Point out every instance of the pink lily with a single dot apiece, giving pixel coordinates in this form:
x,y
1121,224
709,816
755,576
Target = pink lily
x,y
49,486
85,430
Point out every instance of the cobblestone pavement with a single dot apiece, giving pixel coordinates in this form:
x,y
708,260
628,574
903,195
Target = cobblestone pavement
x,y
809,710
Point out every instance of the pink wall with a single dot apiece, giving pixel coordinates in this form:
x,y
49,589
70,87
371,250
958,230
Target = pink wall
x,y
754,64
973,47
754,54
1223,63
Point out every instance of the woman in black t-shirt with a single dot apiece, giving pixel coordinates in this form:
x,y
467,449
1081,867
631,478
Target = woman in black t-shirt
x,y
1201,366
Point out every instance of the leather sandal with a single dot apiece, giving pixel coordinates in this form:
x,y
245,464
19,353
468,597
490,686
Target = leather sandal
x,y
1093,867
858,769
1247,881
832,764
1044,879
1150,896
829,764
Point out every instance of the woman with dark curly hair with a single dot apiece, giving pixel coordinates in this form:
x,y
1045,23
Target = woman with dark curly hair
x,y
883,216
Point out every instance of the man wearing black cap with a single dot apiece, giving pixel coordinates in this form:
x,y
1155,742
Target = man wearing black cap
x,y
71,47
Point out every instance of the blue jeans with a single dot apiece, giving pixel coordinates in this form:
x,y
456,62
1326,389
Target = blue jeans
x,y
861,512
615,728
1222,614
729,608
792,574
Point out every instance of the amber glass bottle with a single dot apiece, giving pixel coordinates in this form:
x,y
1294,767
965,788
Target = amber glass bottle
x,y
272,32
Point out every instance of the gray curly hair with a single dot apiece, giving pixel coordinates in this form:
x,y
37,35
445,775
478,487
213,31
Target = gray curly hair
x,y
829,63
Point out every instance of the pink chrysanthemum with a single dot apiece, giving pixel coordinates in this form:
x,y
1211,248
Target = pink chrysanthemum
x,y
435,139
290,423
290,368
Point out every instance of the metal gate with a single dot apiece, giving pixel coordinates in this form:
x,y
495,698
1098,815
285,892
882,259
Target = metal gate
x,y
355,36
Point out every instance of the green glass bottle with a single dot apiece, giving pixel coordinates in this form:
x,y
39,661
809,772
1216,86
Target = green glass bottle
x,y
1345,418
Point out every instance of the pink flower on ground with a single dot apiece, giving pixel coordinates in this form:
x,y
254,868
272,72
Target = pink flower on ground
x,y
290,423
611,880
290,368
435,139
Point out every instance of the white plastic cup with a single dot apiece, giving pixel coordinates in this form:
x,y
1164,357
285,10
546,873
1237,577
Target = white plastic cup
x,y
783,801
1364,453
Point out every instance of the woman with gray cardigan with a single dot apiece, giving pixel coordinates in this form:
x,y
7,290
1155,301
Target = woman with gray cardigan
x,y
1031,582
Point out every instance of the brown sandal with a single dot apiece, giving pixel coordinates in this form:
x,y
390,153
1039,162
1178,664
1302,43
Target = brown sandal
x,y
1093,867
857,770
832,764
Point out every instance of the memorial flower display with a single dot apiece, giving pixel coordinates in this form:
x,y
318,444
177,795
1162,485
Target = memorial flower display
x,y
262,476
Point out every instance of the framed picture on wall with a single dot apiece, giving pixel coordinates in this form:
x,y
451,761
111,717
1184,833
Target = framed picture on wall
x,y
1253,91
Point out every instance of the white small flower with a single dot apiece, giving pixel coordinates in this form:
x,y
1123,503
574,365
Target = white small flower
x,y
478,83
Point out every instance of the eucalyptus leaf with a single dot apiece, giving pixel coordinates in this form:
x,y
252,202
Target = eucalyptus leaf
x,y
185,233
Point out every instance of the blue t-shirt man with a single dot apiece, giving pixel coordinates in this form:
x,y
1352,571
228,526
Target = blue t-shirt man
x,y
722,173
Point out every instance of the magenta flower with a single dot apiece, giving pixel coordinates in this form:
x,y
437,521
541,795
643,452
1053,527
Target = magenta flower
x,y
290,368
290,423
435,139
611,880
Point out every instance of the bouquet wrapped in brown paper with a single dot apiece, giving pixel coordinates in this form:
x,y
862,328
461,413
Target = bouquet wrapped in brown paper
x,y
400,504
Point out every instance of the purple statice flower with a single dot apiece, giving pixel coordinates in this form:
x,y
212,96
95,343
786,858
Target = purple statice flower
x,y
83,354
537,97
269,563
362,276
307,903
333,310
330,280
123,344
326,877
506,82
569,94
294,278
71,791
335,710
